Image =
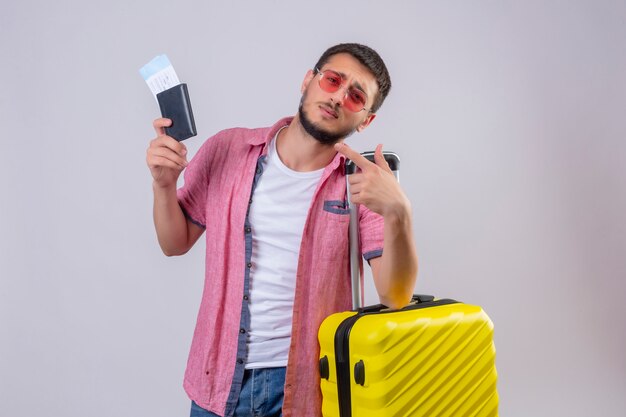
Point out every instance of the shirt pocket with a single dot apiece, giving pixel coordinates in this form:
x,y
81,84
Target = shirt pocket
x,y
336,207
337,210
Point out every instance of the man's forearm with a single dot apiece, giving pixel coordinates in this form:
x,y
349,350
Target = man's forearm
x,y
398,266
170,222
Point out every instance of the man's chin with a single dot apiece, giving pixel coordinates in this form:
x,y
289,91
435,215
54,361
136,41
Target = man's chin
x,y
320,134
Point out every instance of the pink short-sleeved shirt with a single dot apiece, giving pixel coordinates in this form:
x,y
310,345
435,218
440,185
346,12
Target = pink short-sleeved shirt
x,y
219,185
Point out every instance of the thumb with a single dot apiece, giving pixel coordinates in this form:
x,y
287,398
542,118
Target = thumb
x,y
380,159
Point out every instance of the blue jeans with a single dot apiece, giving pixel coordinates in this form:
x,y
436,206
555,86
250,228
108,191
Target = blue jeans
x,y
261,395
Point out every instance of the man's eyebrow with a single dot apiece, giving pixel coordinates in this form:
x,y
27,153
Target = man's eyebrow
x,y
355,83
359,86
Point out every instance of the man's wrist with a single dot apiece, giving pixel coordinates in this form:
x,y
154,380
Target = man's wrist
x,y
398,214
163,189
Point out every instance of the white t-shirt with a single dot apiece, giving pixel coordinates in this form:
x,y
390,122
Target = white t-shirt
x,y
279,208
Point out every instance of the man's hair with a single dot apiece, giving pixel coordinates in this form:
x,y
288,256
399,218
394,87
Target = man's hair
x,y
370,59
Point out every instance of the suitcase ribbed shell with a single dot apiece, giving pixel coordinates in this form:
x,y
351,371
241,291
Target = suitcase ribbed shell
x,y
432,361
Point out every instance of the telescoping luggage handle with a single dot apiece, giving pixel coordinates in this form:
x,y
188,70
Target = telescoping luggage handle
x,y
394,163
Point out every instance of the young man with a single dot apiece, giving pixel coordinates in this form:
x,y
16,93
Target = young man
x,y
272,204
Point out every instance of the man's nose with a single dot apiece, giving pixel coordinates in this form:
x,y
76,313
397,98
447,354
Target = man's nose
x,y
340,95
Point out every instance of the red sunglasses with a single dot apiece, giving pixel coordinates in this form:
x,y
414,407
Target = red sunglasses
x,y
354,99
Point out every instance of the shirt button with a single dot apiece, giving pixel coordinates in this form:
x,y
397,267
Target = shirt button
x,y
249,264
258,170
245,297
242,331
250,201
248,229
239,361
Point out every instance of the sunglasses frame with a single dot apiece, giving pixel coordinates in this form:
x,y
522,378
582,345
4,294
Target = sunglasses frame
x,y
320,72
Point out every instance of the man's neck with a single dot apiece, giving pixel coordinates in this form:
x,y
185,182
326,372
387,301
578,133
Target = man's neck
x,y
301,152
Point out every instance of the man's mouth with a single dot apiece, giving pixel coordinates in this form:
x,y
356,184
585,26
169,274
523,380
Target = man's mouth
x,y
329,111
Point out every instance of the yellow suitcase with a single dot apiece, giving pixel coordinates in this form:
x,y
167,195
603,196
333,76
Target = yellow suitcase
x,y
431,358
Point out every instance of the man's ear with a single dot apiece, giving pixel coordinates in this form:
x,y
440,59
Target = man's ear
x,y
365,123
307,79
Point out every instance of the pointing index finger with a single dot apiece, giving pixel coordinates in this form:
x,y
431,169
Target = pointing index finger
x,y
353,155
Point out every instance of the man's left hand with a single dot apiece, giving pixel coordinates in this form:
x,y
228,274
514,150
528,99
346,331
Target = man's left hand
x,y
374,185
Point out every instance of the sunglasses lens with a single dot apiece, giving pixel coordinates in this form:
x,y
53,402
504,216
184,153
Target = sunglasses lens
x,y
355,100
330,81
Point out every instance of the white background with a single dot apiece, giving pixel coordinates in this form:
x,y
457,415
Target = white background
x,y
508,117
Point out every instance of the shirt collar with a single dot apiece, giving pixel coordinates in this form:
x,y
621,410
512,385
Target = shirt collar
x,y
256,140
338,161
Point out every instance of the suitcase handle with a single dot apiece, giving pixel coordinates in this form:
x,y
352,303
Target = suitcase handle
x,y
421,298
416,299
391,157
357,290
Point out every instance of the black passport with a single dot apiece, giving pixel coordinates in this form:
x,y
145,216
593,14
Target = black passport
x,y
175,105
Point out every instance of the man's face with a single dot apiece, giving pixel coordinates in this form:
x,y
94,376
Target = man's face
x,y
323,114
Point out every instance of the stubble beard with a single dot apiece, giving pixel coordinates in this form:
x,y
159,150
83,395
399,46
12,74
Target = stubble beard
x,y
323,136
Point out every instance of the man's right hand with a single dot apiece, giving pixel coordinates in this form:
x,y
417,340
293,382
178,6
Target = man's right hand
x,y
166,157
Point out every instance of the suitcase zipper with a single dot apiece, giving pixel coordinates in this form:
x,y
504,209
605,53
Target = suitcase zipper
x,y
342,363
